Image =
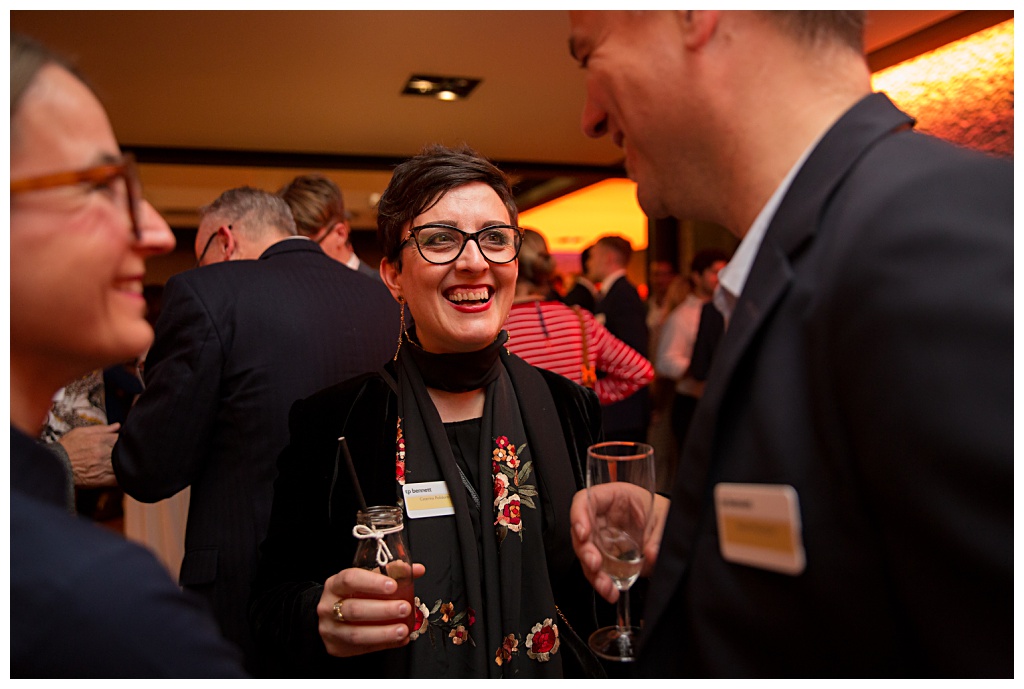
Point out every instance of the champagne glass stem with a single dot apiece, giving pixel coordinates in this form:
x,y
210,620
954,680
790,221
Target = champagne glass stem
x,y
622,611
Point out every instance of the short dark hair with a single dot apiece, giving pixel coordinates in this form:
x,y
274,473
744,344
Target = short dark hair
x,y
813,26
420,182
619,245
316,202
705,258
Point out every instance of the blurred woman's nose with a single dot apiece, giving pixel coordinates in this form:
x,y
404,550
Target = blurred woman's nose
x,y
155,234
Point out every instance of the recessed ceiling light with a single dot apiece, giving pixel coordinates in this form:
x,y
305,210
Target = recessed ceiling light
x,y
440,87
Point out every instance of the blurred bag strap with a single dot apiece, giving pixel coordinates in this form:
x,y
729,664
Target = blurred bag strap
x,y
588,374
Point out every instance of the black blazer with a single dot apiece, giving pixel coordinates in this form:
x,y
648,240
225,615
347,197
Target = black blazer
x,y
868,364
315,504
626,318
85,602
236,344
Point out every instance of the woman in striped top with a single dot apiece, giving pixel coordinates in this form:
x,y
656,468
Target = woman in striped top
x,y
551,335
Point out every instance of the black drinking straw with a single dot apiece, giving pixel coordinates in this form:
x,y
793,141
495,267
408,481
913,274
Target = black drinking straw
x,y
343,450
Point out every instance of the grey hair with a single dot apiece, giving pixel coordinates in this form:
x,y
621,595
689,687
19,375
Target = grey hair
x,y
253,212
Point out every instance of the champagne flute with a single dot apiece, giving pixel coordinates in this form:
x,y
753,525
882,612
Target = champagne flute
x,y
620,500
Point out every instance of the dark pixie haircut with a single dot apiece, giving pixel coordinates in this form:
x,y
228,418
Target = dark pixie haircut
x,y
420,182
814,26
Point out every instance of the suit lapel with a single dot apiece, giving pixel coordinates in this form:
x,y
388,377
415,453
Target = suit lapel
x,y
789,234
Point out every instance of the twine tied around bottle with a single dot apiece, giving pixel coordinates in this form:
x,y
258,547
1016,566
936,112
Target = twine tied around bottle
x,y
364,532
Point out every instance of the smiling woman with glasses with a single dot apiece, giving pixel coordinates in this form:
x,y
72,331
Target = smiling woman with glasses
x,y
457,418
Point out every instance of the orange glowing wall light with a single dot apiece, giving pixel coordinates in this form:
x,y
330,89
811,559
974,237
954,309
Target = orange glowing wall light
x,y
574,221
962,92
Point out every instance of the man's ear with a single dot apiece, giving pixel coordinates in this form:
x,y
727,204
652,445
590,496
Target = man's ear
x,y
697,26
230,243
342,229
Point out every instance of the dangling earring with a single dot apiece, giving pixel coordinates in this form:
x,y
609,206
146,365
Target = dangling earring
x,y
508,339
401,327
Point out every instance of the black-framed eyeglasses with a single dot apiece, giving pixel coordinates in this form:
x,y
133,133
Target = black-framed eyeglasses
x,y
440,244
199,261
99,176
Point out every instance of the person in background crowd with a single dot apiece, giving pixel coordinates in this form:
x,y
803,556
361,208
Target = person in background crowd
x,y
319,211
844,503
455,413
675,348
583,292
237,342
620,309
568,340
83,601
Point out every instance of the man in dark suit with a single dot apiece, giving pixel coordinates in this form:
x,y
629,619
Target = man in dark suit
x,y
236,344
844,503
583,290
622,311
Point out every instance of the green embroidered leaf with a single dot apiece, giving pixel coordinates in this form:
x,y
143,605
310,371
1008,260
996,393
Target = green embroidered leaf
x,y
437,606
508,471
458,618
524,470
524,500
527,490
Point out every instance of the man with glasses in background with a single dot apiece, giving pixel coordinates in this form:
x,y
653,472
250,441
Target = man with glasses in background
x,y
237,342
319,211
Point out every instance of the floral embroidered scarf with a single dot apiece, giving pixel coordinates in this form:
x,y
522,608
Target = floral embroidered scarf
x,y
485,605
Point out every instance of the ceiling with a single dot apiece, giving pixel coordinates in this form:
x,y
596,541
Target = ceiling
x,y
215,99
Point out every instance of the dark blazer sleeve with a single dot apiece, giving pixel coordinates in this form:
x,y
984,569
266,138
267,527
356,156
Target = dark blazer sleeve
x,y
309,537
168,432
922,319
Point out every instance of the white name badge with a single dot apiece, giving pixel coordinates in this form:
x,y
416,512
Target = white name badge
x,y
430,499
759,525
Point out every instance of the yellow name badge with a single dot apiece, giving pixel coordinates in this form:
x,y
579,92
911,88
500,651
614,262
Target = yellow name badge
x,y
429,499
759,525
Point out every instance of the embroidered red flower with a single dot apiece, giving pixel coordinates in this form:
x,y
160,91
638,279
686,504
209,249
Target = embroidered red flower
x,y
500,486
471,616
509,647
458,635
509,513
542,642
501,441
400,472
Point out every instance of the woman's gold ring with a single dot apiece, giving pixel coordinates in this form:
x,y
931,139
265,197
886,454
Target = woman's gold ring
x,y
338,614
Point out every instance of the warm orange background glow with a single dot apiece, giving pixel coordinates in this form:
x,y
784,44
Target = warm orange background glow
x,y
572,222
962,92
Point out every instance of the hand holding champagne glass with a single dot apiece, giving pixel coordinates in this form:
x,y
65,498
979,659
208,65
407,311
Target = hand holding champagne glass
x,y
620,499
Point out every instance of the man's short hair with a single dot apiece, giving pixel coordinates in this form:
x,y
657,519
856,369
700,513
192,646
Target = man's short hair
x,y
705,258
816,26
316,203
619,245
251,211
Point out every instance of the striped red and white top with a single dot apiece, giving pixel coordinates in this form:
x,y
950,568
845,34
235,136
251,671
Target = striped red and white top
x,y
547,334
